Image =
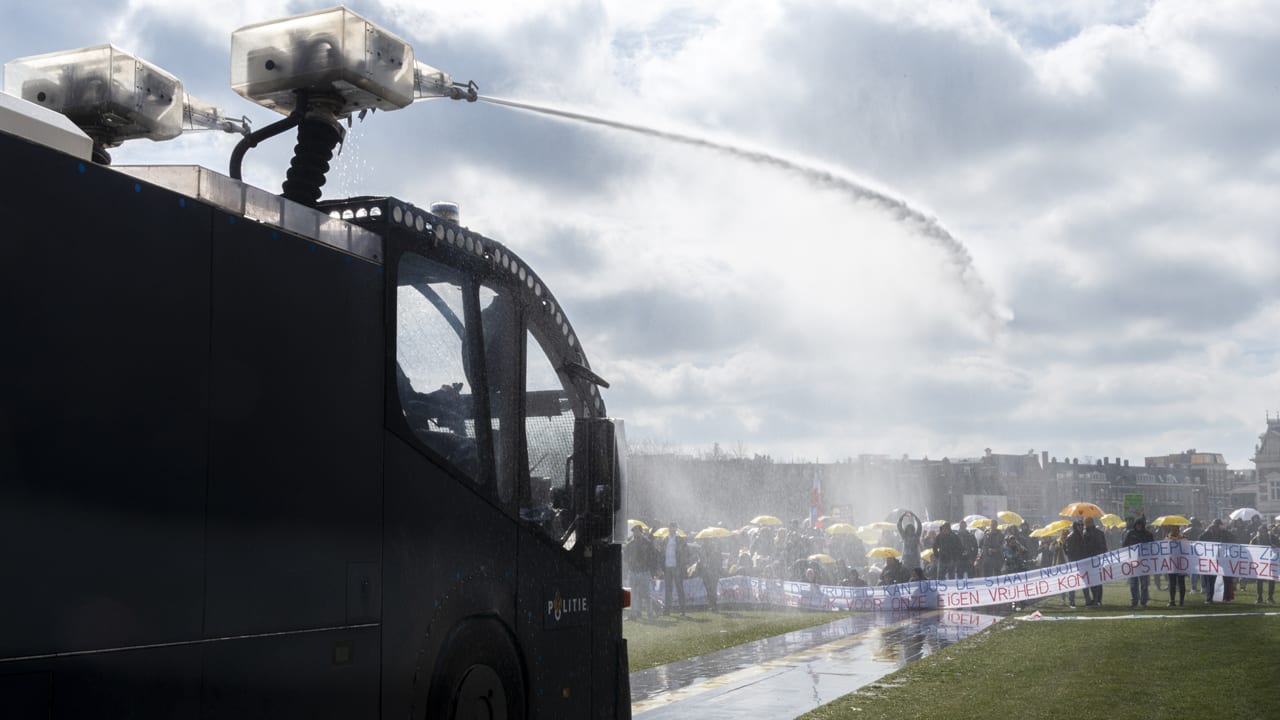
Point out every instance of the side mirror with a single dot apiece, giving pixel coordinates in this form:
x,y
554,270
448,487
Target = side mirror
x,y
597,476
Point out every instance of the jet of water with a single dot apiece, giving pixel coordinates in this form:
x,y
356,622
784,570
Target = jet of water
x,y
957,253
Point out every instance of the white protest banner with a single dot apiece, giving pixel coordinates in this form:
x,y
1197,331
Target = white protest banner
x,y
1184,557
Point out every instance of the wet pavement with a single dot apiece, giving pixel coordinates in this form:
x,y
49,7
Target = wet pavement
x,y
791,674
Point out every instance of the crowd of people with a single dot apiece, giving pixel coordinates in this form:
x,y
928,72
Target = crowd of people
x,y
911,550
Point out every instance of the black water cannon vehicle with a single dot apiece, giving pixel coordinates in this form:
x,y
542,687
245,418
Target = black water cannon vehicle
x,y
268,456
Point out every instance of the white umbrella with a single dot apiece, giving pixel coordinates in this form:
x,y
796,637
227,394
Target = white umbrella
x,y
1245,514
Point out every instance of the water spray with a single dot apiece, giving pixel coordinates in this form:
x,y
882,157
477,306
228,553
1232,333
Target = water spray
x,y
900,209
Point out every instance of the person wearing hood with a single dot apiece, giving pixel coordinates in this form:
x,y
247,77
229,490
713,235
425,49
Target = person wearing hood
x,y
1139,585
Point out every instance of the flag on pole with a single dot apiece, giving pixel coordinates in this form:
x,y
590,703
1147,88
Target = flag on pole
x,y
815,501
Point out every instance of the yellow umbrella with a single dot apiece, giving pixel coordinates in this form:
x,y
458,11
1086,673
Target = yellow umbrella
x,y
881,525
1039,532
1171,520
884,552
765,520
926,554
1057,526
1111,520
712,532
663,532
822,558
1010,517
636,523
868,534
1082,509
842,529
981,523
1006,526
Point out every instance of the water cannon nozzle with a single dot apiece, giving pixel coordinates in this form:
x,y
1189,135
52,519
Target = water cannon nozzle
x,y
200,115
468,91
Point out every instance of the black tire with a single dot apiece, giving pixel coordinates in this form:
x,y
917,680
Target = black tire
x,y
478,675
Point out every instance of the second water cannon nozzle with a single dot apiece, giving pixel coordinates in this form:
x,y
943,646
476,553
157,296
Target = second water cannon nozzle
x,y
200,115
430,82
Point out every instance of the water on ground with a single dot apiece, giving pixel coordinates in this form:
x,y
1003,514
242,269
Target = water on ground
x,y
791,674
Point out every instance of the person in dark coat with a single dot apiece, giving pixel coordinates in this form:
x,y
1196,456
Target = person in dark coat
x,y
1095,543
894,572
1214,533
1193,532
1177,581
947,553
991,556
970,545
1267,539
1139,585
640,558
710,564
1073,547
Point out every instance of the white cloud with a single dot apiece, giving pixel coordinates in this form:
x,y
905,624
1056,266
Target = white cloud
x,y
1109,166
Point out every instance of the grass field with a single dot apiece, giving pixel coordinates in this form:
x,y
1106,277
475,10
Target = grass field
x,y
1222,667
671,638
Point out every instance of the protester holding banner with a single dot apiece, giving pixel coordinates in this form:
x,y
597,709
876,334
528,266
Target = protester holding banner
x,y
1138,585
1063,552
1267,539
1215,533
1077,548
1177,582
1095,543
1193,533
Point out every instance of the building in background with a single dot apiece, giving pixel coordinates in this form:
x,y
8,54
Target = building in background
x,y
719,487
1266,462
1207,475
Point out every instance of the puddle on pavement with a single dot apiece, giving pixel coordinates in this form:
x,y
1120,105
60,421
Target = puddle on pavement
x,y
788,675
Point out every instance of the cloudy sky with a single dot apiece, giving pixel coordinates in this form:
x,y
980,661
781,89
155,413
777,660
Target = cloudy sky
x,y
1110,170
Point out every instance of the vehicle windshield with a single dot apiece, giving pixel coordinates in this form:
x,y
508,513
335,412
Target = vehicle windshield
x,y
529,405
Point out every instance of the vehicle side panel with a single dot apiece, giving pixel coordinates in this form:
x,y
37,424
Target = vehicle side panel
x,y
295,486
434,579
104,314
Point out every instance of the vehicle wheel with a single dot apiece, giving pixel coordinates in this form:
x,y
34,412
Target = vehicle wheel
x,y
478,676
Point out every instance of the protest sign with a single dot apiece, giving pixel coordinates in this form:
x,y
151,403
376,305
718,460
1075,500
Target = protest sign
x,y
1184,557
